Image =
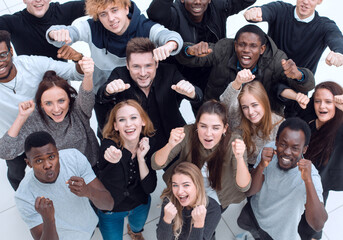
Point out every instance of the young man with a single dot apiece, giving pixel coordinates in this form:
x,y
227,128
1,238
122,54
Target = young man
x,y
196,21
284,184
112,25
28,26
158,87
53,198
255,54
300,32
19,79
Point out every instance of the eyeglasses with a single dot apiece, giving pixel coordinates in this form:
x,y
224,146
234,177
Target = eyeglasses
x,y
4,56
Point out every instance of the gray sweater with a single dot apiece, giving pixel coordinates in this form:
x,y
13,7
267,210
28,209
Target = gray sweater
x,y
165,231
73,132
229,98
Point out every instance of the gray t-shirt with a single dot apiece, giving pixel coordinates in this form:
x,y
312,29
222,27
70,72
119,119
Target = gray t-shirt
x,y
279,204
75,219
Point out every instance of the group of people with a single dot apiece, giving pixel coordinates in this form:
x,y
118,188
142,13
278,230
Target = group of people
x,y
256,135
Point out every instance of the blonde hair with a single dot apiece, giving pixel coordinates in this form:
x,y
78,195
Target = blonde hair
x,y
191,170
265,126
109,131
93,7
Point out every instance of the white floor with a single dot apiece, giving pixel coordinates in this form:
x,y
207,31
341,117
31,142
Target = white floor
x,y
13,228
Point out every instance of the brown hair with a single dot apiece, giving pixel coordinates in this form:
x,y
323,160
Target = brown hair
x,y
192,171
322,140
50,80
215,160
265,126
139,45
109,131
94,6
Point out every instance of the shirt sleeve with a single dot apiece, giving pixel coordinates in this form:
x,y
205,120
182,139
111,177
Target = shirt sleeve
x,y
83,166
164,231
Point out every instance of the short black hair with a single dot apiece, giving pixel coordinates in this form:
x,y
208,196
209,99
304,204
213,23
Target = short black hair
x,y
38,139
252,29
5,37
296,124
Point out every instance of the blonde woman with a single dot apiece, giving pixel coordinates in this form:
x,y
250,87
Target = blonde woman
x,y
187,213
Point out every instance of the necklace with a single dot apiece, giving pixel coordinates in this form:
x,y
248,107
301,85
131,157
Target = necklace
x,y
13,89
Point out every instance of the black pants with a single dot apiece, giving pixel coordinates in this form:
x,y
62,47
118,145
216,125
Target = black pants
x,y
248,221
16,170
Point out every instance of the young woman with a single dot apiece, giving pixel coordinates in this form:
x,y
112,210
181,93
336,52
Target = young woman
x,y
125,171
60,111
250,115
326,145
212,148
187,213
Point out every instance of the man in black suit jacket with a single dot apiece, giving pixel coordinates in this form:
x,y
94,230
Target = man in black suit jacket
x,y
158,87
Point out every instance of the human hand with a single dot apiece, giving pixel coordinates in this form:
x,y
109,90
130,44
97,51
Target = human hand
x,y
338,100
78,186
112,154
302,100
335,59
267,156
185,88
61,35
45,207
87,65
161,53
69,53
143,148
176,136
26,108
253,14
290,69
304,167
200,49
170,212
238,148
199,215
117,86
244,76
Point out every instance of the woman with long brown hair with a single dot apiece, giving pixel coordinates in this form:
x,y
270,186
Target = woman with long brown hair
x,y
187,213
211,146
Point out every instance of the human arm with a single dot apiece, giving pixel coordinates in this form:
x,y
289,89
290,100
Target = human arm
x,y
315,213
46,230
167,42
334,59
243,178
257,175
334,39
25,110
164,230
164,13
253,14
301,98
94,191
161,158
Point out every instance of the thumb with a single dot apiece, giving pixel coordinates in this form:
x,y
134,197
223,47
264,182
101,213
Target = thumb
x,y
283,61
173,87
127,86
209,50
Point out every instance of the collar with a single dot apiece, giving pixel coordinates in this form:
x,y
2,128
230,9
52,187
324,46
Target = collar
x,y
306,20
252,71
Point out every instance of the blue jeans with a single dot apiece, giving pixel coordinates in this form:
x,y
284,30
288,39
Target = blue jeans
x,y
111,223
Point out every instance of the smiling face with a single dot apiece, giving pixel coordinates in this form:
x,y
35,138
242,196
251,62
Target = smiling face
x,y
210,130
290,148
305,8
45,162
55,103
196,8
128,123
248,48
324,105
37,8
252,108
114,18
142,68
184,189
6,66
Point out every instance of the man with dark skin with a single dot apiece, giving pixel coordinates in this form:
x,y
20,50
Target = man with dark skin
x,y
291,182
251,55
52,170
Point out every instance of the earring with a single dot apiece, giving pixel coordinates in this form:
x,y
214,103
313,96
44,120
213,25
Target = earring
x,y
224,134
